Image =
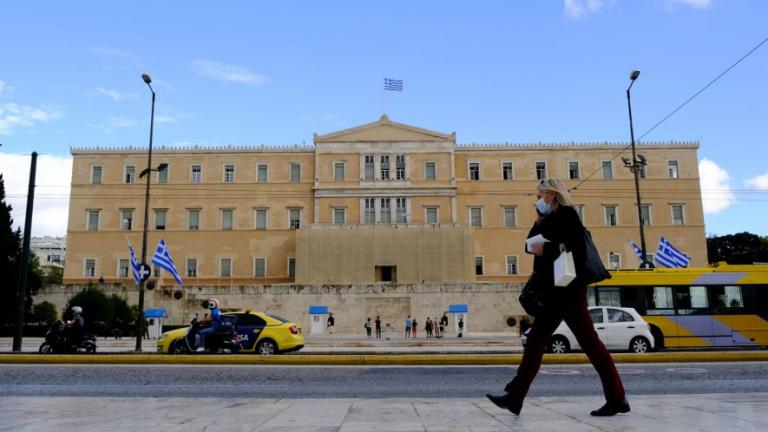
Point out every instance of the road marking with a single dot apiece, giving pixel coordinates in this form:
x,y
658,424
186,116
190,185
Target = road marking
x,y
687,370
630,371
560,372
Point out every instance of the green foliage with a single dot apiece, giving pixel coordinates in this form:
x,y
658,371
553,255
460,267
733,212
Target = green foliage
x,y
54,276
43,313
740,248
10,250
98,307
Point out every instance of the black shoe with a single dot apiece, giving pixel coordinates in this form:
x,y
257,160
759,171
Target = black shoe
x,y
612,408
508,402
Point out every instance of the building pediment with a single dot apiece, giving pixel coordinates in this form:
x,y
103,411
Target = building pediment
x,y
384,130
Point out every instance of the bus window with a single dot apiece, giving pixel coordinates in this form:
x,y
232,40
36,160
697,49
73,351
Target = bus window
x,y
727,297
591,296
733,297
660,301
699,297
608,296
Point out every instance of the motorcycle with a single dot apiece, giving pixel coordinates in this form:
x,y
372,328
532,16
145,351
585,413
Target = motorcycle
x,y
223,341
56,341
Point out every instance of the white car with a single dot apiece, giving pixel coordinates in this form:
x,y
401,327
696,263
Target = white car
x,y
620,329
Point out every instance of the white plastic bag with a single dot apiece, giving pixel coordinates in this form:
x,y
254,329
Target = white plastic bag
x,y
565,269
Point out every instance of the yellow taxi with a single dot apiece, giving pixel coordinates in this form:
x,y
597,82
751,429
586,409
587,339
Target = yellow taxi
x,y
258,332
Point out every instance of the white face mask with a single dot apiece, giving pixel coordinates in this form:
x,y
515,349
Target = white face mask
x,y
543,207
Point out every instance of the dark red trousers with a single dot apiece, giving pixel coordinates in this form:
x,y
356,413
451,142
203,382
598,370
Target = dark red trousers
x,y
577,317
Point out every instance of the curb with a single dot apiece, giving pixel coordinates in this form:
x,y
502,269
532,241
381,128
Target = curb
x,y
371,360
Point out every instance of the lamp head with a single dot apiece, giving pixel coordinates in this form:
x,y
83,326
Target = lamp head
x,y
642,159
626,161
162,166
146,78
634,74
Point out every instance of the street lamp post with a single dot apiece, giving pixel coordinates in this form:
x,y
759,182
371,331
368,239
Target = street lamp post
x,y
635,165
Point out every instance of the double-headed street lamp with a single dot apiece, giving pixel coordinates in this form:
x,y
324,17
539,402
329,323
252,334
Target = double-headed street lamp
x,y
146,172
635,165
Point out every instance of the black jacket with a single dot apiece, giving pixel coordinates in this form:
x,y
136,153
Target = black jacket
x,y
562,226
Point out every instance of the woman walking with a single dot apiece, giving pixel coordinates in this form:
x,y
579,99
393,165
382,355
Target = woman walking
x,y
559,223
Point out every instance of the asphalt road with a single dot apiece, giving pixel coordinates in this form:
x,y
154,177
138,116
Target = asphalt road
x,y
366,382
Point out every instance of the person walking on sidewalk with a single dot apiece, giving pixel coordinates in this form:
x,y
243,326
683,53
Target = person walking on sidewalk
x,y
408,322
378,327
367,326
559,223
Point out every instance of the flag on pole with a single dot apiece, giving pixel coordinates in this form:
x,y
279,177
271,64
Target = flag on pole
x,y
393,84
134,265
668,256
637,250
163,260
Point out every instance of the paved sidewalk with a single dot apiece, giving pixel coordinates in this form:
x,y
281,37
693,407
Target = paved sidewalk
x,y
710,412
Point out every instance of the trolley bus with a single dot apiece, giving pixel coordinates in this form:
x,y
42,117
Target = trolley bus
x,y
718,306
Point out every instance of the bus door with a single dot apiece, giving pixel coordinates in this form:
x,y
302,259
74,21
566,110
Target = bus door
x,y
693,316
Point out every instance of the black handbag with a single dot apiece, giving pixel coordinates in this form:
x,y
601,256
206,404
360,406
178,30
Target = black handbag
x,y
591,269
535,297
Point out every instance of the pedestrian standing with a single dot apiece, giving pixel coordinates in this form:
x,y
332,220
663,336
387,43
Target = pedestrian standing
x,y
378,327
367,326
408,322
428,327
331,323
461,325
413,328
560,224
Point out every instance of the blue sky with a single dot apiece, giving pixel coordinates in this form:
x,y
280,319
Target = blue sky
x,y
251,73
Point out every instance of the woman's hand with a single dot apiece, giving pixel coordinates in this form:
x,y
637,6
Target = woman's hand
x,y
537,249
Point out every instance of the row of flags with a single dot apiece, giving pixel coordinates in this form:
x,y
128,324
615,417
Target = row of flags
x,y
666,255
162,259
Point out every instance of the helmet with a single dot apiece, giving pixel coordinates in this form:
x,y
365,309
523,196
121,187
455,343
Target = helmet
x,y
211,303
76,310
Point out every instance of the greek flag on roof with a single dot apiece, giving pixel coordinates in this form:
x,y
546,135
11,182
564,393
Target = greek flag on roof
x,y
134,265
163,260
393,84
668,256
638,251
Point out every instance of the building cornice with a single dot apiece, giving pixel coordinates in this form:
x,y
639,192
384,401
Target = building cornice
x,y
576,146
295,148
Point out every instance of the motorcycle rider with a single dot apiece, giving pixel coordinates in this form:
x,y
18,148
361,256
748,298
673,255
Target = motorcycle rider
x,y
214,318
75,326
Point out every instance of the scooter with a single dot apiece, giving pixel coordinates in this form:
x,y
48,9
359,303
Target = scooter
x,y
222,341
56,341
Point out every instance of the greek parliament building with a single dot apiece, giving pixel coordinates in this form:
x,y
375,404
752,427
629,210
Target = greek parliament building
x,y
382,202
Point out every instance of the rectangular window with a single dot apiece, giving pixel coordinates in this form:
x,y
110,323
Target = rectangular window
x,y
645,213
580,211
260,219
430,215
479,265
511,265
678,217
476,217
260,267
96,174
611,215
196,174
122,268
225,267
130,173
291,267
662,298
699,297
369,167
614,260
510,217
160,215
386,211
338,171
401,208
126,220
429,171
573,170
384,167
93,220
607,169
541,170
370,211
506,171
642,170
400,167
156,271
90,268
227,219
732,297
294,218
474,171
191,267
295,173
229,173
672,169
262,172
162,175
339,215
193,219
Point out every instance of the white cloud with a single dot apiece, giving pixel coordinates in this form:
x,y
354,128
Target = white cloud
x,y
114,94
696,4
715,184
13,115
225,72
578,8
5,88
51,206
120,122
759,182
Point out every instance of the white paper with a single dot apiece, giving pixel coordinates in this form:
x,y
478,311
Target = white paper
x,y
538,239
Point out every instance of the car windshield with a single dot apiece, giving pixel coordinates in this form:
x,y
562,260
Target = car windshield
x,y
277,317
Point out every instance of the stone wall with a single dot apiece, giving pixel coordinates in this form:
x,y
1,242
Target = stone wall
x,y
490,304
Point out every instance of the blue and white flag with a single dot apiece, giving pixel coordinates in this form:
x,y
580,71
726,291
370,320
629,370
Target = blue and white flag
x,y
393,84
668,256
134,265
637,250
163,260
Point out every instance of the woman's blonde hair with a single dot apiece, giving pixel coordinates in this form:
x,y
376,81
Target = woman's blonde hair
x,y
562,197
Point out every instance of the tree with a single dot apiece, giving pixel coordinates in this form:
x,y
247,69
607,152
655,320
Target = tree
x,y
10,252
740,248
98,307
44,312
54,276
